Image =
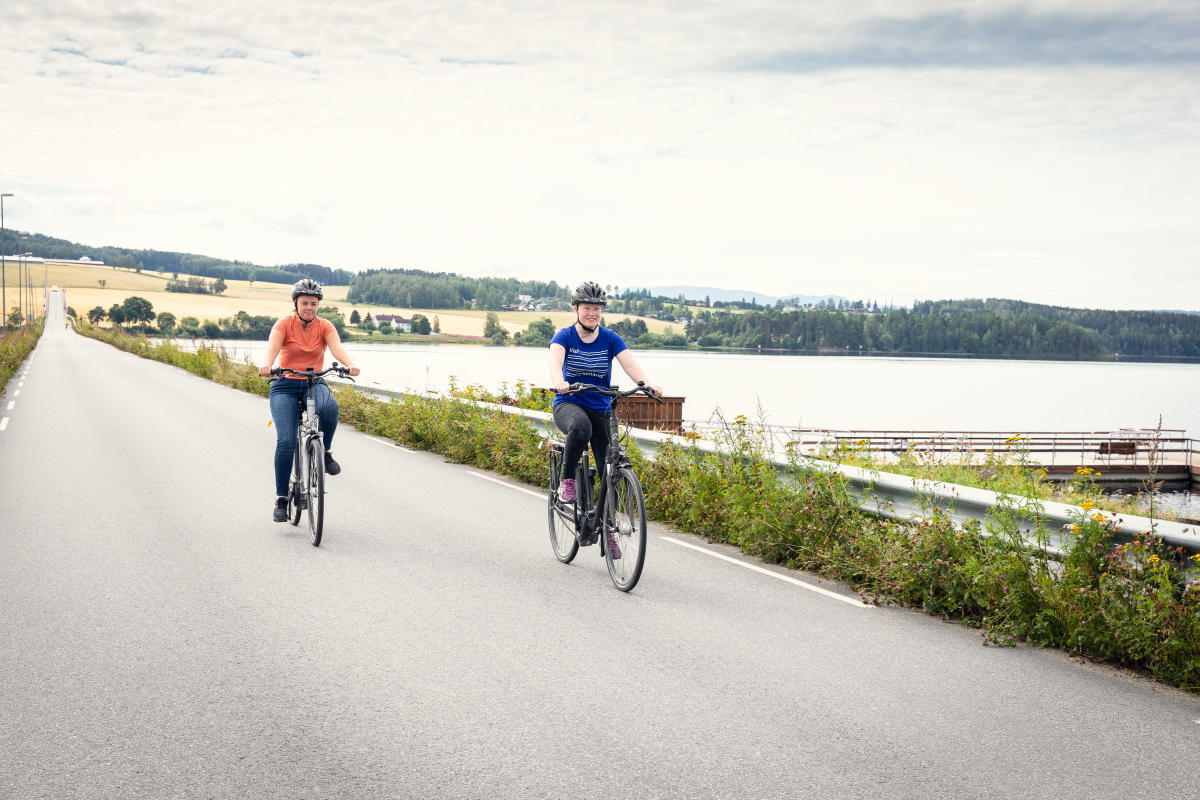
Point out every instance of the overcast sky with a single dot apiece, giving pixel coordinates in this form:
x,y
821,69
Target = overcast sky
x,y
1048,151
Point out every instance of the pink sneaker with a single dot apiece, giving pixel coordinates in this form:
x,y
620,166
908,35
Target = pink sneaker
x,y
613,547
566,490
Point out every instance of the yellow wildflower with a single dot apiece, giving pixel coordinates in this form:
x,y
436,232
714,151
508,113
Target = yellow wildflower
x,y
1087,505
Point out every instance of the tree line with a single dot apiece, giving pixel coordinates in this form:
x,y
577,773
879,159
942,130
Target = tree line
x,y
166,261
414,288
136,315
958,327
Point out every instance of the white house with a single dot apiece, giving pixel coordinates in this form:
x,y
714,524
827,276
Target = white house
x,y
397,322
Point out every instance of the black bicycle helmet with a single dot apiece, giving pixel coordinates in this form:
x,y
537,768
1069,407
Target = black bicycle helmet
x,y
307,286
589,292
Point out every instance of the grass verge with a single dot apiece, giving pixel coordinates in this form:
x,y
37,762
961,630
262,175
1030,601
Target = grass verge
x,y
15,347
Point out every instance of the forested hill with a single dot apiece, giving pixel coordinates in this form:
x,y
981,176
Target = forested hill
x,y
992,327
171,262
414,288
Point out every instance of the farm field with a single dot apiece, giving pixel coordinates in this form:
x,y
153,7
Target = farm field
x,y
81,282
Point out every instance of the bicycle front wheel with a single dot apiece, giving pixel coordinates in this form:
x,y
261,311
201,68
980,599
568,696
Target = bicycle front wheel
x,y
295,500
295,505
625,530
315,455
561,516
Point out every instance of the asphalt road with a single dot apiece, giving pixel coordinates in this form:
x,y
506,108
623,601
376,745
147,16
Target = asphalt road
x,y
162,638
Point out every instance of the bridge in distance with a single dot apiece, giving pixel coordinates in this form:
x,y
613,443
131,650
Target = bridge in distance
x,y
161,637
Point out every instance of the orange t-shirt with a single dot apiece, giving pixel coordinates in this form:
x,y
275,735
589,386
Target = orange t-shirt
x,y
302,347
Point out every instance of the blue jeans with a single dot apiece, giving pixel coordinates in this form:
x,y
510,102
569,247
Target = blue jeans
x,y
287,395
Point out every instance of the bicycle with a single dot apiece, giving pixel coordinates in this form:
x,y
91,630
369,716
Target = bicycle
x,y
620,512
306,491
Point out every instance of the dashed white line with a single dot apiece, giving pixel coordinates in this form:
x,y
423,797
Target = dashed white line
x,y
849,600
11,403
3,423
386,443
539,495
16,392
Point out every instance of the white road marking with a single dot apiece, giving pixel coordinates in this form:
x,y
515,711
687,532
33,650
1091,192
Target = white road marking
x,y
11,403
857,603
386,443
16,392
539,495
3,423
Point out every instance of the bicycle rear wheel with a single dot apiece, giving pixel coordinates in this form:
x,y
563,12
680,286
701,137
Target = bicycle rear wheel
x,y
315,453
626,526
561,515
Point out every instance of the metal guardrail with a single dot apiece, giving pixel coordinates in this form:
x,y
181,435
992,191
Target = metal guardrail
x,y
901,497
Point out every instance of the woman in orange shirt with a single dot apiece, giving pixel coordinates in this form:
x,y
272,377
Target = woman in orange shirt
x,y
299,340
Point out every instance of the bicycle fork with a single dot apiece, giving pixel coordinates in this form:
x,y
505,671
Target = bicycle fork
x,y
301,459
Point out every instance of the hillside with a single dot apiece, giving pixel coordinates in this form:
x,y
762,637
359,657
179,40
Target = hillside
x,y
90,285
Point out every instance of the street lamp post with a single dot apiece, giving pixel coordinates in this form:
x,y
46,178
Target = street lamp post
x,y
3,271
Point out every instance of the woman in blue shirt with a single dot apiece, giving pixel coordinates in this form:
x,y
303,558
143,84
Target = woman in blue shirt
x,y
583,353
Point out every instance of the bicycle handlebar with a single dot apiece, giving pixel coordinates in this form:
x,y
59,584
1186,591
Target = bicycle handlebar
x,y
614,393
343,372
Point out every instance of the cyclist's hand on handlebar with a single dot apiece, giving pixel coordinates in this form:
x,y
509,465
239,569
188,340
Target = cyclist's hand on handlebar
x,y
655,390
354,371
266,372
562,387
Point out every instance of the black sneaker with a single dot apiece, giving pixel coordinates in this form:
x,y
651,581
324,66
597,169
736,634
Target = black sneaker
x,y
331,466
280,509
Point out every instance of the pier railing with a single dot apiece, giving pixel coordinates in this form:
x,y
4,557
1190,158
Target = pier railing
x,y
1123,447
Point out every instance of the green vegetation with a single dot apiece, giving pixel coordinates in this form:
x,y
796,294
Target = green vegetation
x,y
1136,605
195,285
537,334
15,346
414,288
966,327
136,313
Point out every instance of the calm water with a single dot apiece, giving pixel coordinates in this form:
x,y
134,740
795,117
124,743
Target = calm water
x,y
844,392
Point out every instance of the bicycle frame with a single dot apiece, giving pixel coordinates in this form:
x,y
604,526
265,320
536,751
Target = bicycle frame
x,y
308,427
591,511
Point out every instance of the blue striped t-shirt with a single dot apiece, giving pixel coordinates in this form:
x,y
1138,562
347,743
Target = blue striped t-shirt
x,y
589,362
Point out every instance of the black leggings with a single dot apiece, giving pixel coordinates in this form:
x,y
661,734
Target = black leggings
x,y
581,425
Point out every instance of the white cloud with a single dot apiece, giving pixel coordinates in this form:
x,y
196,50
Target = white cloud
x,y
547,142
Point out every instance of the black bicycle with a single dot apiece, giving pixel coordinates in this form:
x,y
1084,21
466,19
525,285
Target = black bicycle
x,y
618,520
306,491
